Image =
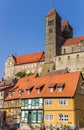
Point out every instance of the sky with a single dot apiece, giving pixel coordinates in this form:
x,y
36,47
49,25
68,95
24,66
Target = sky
x,y
22,24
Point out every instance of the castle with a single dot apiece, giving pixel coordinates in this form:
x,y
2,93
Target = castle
x,y
61,51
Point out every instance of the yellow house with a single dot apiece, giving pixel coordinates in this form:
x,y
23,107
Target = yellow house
x,y
64,100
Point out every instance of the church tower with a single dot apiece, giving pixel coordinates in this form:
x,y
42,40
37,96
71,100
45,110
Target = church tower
x,y
53,35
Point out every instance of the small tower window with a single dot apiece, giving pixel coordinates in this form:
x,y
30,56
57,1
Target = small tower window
x,y
51,22
50,30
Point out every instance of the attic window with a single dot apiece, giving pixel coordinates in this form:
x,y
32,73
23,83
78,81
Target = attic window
x,y
39,88
20,92
29,89
10,94
52,87
60,87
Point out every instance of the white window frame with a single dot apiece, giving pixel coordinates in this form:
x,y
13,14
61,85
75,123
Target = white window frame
x,y
49,117
63,102
48,102
51,89
60,88
38,90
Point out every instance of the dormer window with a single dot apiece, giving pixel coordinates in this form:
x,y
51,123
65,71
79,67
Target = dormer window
x,y
60,87
29,89
39,88
20,92
52,87
10,94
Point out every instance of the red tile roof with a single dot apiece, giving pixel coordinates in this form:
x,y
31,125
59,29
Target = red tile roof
x,y
70,81
64,23
52,11
73,40
29,58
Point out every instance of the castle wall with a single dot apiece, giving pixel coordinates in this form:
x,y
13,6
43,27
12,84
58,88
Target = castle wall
x,y
73,48
74,62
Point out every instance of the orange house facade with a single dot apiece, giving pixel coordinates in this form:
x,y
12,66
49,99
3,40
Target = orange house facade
x,y
55,99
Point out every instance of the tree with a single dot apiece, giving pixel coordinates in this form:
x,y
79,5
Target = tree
x,y
20,75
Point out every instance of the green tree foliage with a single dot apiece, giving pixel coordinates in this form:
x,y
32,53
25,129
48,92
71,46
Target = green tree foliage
x,y
20,75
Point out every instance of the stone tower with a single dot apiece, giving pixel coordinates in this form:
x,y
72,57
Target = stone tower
x,y
66,30
53,35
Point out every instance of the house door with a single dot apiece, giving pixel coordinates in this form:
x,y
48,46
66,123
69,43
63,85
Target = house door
x,y
29,117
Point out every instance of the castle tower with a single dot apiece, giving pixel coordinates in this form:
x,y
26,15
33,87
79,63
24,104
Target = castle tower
x,y
66,30
53,35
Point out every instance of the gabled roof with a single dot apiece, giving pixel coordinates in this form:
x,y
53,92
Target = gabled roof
x,y
73,40
65,23
70,81
29,58
52,11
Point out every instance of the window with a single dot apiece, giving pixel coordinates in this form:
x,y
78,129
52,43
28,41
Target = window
x,y
48,102
82,87
51,89
63,117
49,117
68,57
81,48
51,22
19,92
62,102
16,102
60,86
72,49
50,30
59,59
10,94
81,90
38,90
34,115
15,111
40,116
64,51
29,91
24,116
77,56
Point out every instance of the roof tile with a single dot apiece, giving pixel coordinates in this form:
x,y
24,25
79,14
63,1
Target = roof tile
x,y
73,40
29,58
70,80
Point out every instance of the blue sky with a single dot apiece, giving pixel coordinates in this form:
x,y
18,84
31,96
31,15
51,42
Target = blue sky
x,y
22,24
